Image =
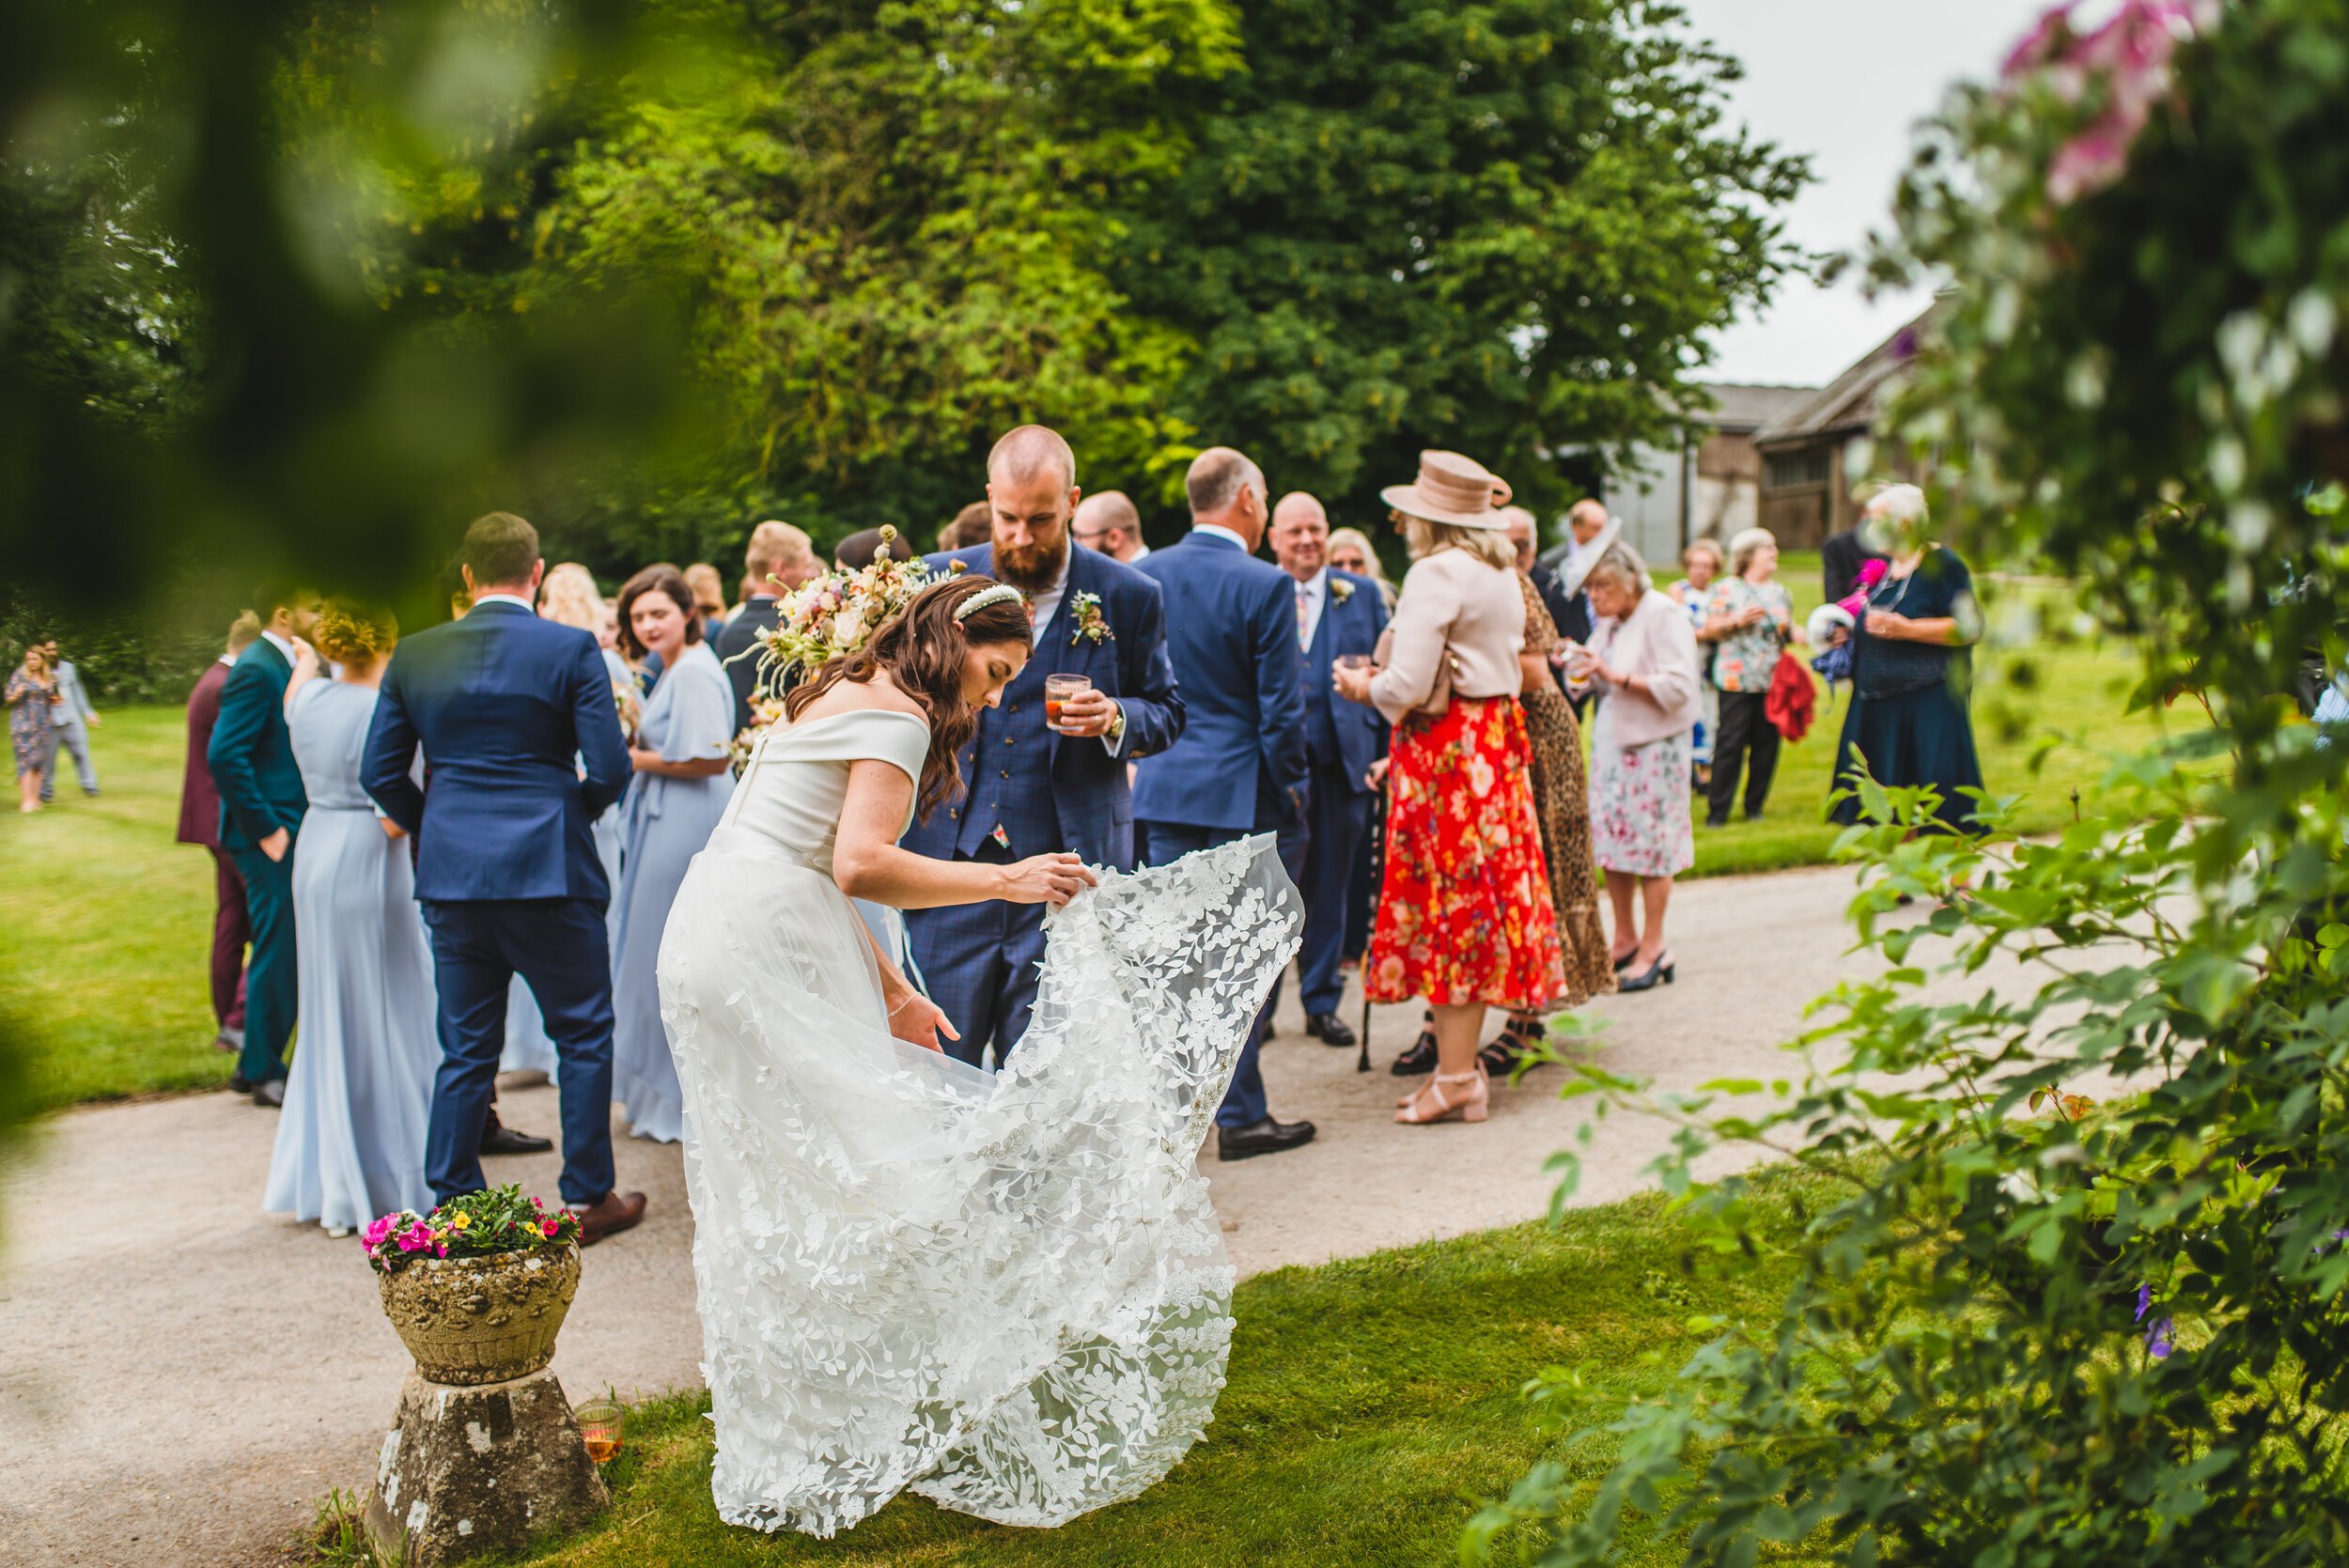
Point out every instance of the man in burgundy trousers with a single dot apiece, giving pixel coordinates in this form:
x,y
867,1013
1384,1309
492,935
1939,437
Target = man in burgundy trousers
x,y
200,823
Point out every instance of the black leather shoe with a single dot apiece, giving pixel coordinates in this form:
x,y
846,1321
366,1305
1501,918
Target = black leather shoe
x,y
1329,1030
1419,1058
270,1094
502,1139
1266,1137
1657,973
240,1084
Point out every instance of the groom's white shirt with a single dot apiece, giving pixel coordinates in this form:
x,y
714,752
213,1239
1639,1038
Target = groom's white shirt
x,y
503,599
282,644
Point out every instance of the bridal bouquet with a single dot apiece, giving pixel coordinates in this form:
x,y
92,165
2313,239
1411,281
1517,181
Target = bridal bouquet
x,y
473,1226
827,618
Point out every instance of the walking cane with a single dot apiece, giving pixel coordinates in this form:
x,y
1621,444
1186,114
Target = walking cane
x,y
1378,875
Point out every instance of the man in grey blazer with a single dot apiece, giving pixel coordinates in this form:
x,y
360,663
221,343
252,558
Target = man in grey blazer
x,y
72,717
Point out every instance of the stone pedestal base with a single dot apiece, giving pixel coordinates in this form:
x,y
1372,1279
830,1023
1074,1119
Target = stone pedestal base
x,y
471,1470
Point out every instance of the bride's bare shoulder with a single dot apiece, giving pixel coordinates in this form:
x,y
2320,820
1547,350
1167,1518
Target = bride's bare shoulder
x,y
880,694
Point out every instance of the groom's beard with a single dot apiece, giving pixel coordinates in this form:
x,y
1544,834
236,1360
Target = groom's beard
x,y
1032,568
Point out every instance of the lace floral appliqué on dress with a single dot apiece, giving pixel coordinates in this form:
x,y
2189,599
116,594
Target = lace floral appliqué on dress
x,y
1006,1292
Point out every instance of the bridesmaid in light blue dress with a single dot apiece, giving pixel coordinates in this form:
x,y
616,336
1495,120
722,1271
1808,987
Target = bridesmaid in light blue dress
x,y
680,791
350,1139
569,595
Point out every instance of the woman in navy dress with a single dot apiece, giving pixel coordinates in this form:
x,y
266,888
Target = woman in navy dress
x,y
1907,722
683,781
350,1141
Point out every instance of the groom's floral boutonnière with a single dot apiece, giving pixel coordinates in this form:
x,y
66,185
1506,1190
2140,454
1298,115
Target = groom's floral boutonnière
x,y
1340,590
1085,610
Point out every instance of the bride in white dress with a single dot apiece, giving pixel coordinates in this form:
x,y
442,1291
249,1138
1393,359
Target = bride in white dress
x,y
1005,1291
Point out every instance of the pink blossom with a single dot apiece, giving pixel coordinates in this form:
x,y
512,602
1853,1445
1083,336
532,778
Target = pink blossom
x,y
378,1230
2130,56
549,1228
2042,44
416,1237
441,1250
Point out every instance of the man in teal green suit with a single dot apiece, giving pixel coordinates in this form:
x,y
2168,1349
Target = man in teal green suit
x,y
262,806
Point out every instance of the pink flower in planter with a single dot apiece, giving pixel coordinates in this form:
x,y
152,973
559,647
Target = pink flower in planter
x,y
378,1230
549,1228
416,1237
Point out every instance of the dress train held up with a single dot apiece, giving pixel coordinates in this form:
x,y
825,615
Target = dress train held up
x,y
1005,1291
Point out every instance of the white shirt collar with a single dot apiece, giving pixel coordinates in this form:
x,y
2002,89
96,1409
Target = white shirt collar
x,y
1216,532
480,600
229,659
1140,552
282,644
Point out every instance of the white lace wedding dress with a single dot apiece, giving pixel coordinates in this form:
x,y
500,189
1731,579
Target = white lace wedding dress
x,y
1006,1291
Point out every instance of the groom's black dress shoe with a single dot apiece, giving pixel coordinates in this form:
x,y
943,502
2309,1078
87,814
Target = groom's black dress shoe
x,y
1266,1137
270,1094
616,1210
1329,1030
502,1139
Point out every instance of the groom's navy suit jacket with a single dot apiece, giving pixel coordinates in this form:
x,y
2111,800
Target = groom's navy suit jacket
x,y
507,707
1048,791
1232,632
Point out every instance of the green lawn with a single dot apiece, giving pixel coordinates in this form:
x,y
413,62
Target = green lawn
x,y
104,922
105,925
1373,1403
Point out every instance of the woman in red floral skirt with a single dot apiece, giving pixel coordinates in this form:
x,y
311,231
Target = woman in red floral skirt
x,y
1465,918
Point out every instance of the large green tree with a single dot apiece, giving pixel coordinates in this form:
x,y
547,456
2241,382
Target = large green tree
x,y
1505,228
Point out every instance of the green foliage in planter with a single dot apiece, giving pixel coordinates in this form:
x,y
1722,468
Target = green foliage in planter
x,y
2082,1300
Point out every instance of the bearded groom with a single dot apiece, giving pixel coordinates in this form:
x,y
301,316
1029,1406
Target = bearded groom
x,y
1030,789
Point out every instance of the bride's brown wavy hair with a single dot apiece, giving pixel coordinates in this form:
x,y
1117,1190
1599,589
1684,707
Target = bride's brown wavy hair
x,y
924,650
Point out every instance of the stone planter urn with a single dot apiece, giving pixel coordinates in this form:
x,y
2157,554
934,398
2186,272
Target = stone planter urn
x,y
482,1320
482,1456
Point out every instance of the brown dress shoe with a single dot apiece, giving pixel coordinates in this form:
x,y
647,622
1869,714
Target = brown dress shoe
x,y
616,1210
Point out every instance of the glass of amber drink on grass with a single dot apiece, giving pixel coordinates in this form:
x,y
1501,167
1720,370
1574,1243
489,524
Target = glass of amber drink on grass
x,y
1058,690
600,1428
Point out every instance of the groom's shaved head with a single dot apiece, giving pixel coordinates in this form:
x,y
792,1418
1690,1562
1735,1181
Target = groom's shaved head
x,y
1030,452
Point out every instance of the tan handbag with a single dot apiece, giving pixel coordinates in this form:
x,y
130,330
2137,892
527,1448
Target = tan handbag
x,y
1438,696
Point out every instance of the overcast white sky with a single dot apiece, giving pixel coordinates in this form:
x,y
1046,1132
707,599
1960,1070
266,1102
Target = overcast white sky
x,y
1844,81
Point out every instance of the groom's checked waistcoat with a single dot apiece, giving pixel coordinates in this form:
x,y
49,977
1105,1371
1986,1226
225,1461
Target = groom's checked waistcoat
x,y
1050,792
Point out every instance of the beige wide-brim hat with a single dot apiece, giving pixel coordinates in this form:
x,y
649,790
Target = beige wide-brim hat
x,y
1453,489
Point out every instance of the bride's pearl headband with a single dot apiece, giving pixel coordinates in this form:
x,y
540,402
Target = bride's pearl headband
x,y
1000,594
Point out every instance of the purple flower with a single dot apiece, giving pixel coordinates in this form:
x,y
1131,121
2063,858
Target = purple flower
x,y
2160,1340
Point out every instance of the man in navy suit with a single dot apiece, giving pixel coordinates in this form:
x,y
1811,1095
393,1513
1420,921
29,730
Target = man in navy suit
x,y
262,803
508,709
1337,614
1241,766
1029,789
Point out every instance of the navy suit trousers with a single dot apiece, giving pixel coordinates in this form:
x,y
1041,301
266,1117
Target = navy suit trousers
x,y
1339,815
272,987
1244,1104
980,963
559,948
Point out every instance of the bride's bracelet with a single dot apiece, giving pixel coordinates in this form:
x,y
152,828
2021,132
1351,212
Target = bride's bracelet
x,y
910,998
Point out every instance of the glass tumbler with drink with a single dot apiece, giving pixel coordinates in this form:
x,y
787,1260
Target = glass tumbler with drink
x,y
1057,690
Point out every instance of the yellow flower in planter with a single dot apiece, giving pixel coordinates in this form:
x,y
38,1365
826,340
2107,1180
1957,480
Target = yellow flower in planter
x,y
460,1220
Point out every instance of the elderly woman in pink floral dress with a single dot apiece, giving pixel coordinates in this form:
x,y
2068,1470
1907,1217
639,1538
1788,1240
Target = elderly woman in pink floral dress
x,y
1643,663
